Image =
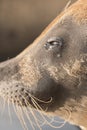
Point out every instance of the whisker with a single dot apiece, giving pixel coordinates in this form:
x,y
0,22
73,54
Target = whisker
x,y
41,101
33,97
9,111
36,105
26,112
18,111
50,100
21,110
3,106
33,114
36,120
20,114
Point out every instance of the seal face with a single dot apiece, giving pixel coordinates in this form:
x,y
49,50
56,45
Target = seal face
x,y
51,74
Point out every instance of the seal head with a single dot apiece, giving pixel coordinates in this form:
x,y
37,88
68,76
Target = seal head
x,y
52,72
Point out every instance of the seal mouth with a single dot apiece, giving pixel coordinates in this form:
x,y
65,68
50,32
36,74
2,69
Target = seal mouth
x,y
26,98
51,97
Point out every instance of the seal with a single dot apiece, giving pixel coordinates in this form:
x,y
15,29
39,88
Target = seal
x,y
51,74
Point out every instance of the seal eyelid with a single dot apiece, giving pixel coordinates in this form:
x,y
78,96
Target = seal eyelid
x,y
53,42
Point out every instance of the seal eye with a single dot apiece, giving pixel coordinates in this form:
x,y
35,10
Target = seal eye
x,y
54,46
54,43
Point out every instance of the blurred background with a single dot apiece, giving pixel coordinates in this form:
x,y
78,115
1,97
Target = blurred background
x,y
21,21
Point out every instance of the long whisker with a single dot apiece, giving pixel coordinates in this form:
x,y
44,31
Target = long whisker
x,y
45,118
33,97
16,112
68,113
50,100
3,106
40,101
37,99
21,110
43,110
33,114
38,107
26,112
9,111
20,113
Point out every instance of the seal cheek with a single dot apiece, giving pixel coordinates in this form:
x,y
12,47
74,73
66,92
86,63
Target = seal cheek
x,y
29,71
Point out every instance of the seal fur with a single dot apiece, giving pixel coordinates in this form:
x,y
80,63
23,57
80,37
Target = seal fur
x,y
57,74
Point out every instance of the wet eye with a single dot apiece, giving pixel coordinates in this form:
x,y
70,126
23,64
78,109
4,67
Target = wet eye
x,y
54,43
